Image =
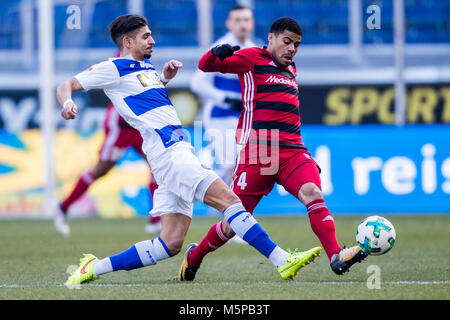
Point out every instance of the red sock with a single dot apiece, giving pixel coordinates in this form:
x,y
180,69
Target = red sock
x,y
80,188
152,187
214,239
322,223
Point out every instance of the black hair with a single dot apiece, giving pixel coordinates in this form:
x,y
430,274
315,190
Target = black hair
x,y
285,23
126,24
237,7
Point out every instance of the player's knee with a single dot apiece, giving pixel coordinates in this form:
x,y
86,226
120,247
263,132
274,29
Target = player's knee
x,y
310,192
174,245
220,196
230,197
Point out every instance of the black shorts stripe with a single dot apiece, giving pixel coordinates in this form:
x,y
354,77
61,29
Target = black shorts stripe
x,y
276,125
277,105
264,88
273,70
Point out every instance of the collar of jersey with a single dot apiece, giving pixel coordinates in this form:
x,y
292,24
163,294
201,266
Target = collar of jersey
x,y
130,57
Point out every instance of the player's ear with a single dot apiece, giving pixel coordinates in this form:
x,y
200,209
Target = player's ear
x,y
270,37
227,24
127,42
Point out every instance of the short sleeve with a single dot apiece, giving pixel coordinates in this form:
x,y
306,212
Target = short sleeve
x,y
103,75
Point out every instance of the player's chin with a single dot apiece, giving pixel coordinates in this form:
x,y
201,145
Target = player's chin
x,y
287,61
147,55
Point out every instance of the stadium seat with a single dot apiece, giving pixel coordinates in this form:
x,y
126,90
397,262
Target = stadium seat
x,y
323,21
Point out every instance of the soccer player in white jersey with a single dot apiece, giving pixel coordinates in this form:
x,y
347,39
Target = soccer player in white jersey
x,y
138,93
221,96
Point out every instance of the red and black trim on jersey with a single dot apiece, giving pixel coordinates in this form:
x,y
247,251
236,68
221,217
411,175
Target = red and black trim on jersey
x,y
274,104
269,94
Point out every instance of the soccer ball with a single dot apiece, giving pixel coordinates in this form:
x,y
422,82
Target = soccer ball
x,y
375,235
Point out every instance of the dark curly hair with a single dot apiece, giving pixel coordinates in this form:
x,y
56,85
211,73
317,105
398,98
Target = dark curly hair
x,y
127,24
285,23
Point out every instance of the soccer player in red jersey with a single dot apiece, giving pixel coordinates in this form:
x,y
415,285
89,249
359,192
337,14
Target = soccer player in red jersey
x,y
270,143
119,135
138,93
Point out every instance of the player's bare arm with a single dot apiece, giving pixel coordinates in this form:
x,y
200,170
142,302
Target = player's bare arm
x,y
64,95
170,70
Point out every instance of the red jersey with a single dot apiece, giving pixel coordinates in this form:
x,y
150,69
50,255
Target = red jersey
x,y
121,121
269,96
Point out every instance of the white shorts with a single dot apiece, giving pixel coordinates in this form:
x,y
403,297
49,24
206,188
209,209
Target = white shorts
x,y
165,201
181,178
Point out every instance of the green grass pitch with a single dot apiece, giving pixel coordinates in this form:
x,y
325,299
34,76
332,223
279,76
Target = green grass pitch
x,y
34,260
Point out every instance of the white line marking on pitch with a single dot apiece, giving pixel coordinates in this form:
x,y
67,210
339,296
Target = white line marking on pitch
x,y
220,283
63,285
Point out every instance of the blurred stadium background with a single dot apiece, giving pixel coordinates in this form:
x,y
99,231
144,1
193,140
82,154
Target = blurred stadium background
x,y
375,108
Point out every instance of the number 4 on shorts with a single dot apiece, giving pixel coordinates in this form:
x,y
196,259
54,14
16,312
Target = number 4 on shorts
x,y
241,182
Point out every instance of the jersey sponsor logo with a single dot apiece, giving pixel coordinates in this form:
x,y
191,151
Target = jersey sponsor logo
x,y
149,78
278,80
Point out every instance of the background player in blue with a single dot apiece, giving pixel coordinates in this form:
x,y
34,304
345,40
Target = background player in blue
x,y
221,97
138,93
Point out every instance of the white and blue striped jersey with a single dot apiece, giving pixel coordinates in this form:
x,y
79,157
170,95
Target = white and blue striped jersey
x,y
214,87
139,96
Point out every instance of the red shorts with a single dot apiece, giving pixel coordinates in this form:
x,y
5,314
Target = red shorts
x,y
292,168
118,137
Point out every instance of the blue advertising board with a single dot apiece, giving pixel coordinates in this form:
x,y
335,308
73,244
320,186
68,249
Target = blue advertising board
x,y
374,169
366,169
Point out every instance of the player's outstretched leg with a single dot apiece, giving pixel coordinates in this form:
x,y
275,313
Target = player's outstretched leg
x,y
216,237
341,262
288,266
322,223
85,271
296,260
188,271
220,196
141,254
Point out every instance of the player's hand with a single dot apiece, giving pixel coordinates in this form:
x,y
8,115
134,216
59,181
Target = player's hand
x,y
69,111
235,104
224,51
170,69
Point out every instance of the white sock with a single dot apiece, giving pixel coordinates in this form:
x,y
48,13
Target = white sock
x,y
246,227
141,254
103,266
278,257
151,251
